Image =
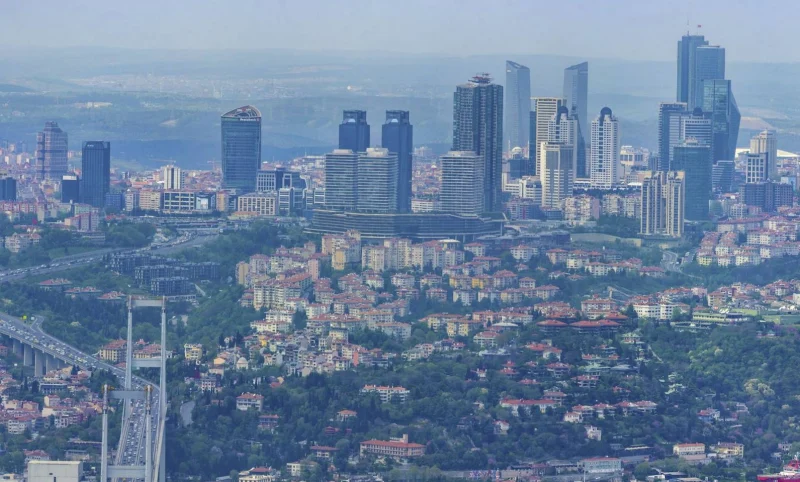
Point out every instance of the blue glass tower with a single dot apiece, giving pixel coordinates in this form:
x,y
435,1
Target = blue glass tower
x,y
397,136
241,148
354,131
95,173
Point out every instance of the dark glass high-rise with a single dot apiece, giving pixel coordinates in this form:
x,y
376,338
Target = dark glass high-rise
x,y
397,136
95,173
241,148
354,131
478,127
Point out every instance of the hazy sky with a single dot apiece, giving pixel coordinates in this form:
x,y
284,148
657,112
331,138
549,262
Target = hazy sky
x,y
631,29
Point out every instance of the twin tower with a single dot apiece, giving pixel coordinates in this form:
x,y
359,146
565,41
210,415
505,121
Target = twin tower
x,y
361,178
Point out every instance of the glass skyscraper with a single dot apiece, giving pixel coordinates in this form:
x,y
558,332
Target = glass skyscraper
x,y
51,152
694,159
95,173
518,105
397,136
576,88
687,46
718,100
478,127
709,64
241,148
354,131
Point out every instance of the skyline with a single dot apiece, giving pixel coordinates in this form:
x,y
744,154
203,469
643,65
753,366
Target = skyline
x,y
378,25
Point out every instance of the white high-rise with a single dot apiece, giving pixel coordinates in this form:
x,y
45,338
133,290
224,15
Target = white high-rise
x,y
765,142
563,128
462,183
545,108
604,164
172,176
377,181
556,173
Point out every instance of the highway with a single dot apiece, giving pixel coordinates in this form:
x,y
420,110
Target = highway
x,y
74,261
131,446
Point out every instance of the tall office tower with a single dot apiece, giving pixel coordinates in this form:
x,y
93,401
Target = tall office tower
x,y
576,93
696,125
530,167
462,183
95,173
709,64
766,142
545,108
518,105
8,188
341,180
669,115
51,152
663,199
377,181
398,137
478,127
694,159
687,46
675,203
756,167
70,189
564,128
556,173
722,176
172,176
354,131
604,165
241,148
718,100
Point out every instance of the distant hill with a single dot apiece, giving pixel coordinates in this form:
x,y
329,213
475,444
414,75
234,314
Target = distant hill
x,y
11,88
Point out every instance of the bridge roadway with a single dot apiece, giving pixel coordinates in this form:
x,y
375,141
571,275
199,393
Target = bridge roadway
x,y
45,352
31,342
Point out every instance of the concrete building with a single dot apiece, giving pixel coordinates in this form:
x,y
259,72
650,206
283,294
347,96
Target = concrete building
x,y
172,177
262,203
604,165
545,108
765,142
341,180
462,183
662,204
55,471
377,181
556,173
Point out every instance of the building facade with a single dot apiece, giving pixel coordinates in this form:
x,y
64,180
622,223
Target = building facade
x,y
95,173
576,94
377,181
604,164
556,173
462,183
518,105
544,110
398,137
478,127
694,159
354,131
341,180
51,152
241,148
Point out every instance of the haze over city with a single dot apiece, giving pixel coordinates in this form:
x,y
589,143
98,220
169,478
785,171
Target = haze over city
x,y
626,29
409,241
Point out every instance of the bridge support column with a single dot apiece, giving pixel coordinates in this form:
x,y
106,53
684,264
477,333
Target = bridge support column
x,y
51,363
39,363
17,347
27,355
